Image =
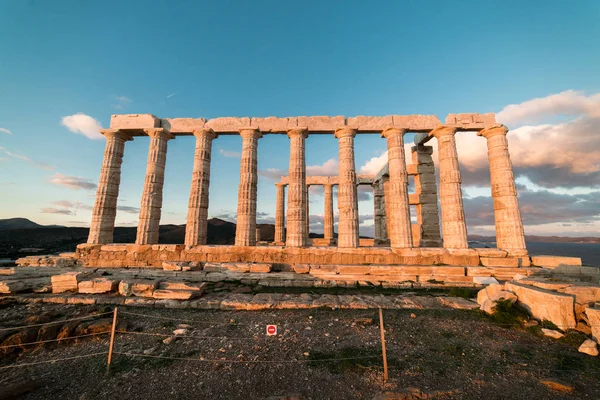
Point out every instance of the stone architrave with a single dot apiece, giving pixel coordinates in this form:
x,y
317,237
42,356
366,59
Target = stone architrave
x,y
245,233
509,226
399,225
197,218
454,229
297,196
152,196
105,207
328,217
280,214
347,194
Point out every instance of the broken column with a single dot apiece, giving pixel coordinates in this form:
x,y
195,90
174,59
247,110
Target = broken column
x,y
245,233
428,219
297,198
379,212
152,196
105,208
509,226
347,195
197,218
280,214
328,216
399,225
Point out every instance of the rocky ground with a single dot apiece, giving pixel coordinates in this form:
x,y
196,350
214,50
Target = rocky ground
x,y
441,354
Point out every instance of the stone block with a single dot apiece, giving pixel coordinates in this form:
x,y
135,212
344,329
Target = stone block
x,y
458,303
183,125
261,267
488,292
322,123
554,261
7,271
375,124
274,124
500,262
543,304
11,286
593,315
134,121
411,169
174,285
98,285
589,347
68,282
491,253
471,121
301,268
168,294
353,269
416,122
228,124
142,287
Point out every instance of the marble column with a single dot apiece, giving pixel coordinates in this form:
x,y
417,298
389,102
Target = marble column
x,y
428,219
509,226
197,217
105,207
385,183
328,217
152,196
454,228
379,212
399,226
297,198
245,232
280,214
307,221
347,196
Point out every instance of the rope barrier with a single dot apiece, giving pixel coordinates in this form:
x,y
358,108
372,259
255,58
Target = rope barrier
x,y
52,361
53,340
249,361
54,322
185,336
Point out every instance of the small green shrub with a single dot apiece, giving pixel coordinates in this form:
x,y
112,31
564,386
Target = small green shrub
x,y
549,325
573,338
466,293
509,314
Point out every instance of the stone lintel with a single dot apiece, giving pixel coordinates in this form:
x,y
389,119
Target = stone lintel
x,y
361,179
416,123
366,123
322,124
183,126
231,125
274,124
134,121
471,121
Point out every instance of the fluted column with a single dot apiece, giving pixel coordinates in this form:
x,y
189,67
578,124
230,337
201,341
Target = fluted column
x,y
280,214
509,226
297,197
454,229
385,183
152,197
347,196
197,217
378,212
105,206
307,221
428,219
399,225
328,217
245,232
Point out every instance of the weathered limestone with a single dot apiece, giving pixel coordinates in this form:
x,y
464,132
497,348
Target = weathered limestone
x,y
152,196
593,315
197,218
347,195
328,216
105,208
280,214
245,234
297,196
379,212
509,226
307,220
554,261
428,220
399,225
454,229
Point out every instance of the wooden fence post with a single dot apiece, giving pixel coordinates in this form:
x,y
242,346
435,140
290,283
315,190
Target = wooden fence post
x,y
384,353
112,340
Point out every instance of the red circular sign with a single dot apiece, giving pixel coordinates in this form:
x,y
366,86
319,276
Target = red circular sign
x,y
271,329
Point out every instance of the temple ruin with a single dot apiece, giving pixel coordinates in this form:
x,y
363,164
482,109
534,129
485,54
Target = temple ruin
x,y
397,241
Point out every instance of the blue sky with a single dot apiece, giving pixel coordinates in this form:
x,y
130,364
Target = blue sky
x,y
261,58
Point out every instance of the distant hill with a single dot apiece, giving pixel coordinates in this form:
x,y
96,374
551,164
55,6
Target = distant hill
x,y
18,223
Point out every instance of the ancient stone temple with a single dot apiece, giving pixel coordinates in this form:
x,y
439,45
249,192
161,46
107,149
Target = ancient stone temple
x,y
439,235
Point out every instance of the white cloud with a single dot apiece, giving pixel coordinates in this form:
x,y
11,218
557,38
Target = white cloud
x,y
122,101
374,165
52,210
569,103
72,182
273,174
83,124
4,130
229,154
328,168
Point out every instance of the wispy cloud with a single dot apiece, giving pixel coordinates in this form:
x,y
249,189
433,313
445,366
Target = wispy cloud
x,y
52,210
4,130
171,95
76,205
128,209
122,102
72,182
230,154
83,124
22,157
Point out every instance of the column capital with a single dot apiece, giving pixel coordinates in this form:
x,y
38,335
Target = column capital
x,y
328,186
298,132
158,132
250,133
493,130
443,130
116,133
205,132
344,131
279,184
392,131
